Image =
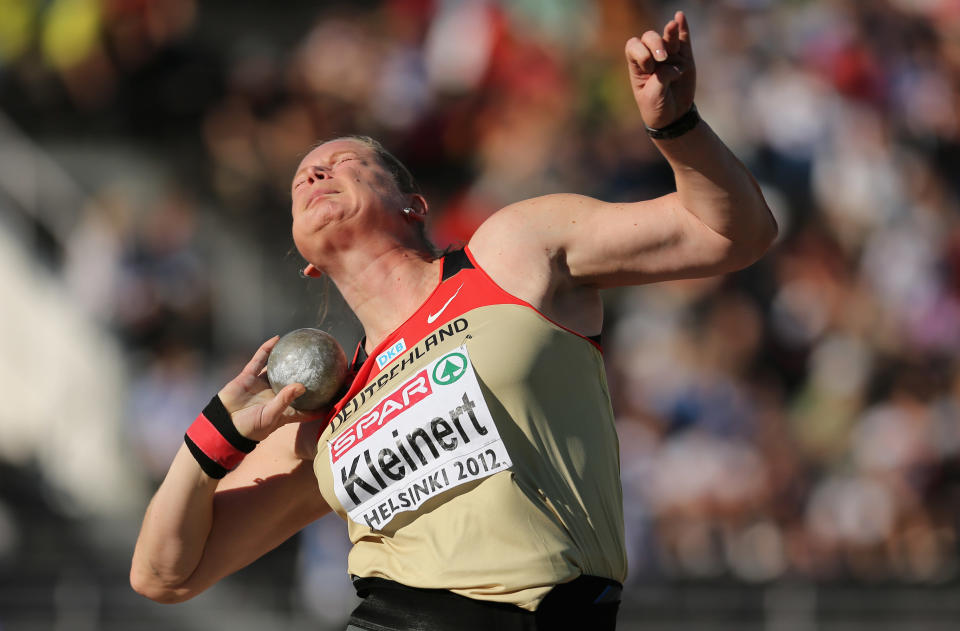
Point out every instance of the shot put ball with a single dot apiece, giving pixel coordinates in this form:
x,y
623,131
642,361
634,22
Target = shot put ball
x,y
311,357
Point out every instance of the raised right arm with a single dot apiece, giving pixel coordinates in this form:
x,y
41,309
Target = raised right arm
x,y
198,529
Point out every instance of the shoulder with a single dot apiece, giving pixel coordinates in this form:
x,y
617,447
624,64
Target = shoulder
x,y
531,224
520,248
514,248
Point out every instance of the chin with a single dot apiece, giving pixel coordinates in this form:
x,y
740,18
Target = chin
x,y
313,220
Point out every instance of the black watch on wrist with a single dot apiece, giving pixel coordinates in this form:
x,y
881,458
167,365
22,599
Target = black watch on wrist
x,y
678,127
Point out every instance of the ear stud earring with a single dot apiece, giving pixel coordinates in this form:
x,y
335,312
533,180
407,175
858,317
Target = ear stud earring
x,y
310,272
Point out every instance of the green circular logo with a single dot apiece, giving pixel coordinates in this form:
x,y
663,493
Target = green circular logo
x,y
450,368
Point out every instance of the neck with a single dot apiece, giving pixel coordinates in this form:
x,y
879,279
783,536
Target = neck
x,y
384,289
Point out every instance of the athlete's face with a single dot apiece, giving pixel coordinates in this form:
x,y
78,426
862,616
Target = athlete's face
x,y
342,183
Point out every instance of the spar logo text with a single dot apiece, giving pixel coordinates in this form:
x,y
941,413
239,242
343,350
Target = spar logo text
x,y
405,397
424,446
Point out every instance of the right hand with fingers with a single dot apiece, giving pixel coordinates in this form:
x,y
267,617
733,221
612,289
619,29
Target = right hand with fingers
x,y
662,72
256,411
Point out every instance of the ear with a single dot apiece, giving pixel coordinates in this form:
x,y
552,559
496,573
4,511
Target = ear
x,y
311,271
419,206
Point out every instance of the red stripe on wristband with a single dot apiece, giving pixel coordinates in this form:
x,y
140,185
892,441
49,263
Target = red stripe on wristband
x,y
212,443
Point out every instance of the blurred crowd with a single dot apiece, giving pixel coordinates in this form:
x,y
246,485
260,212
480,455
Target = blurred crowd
x,y
799,418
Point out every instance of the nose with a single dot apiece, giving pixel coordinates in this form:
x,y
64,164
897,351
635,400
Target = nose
x,y
317,173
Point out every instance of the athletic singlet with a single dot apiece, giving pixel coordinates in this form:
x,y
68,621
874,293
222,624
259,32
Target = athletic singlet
x,y
475,450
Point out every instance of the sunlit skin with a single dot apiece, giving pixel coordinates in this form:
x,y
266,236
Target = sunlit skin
x,y
335,181
348,222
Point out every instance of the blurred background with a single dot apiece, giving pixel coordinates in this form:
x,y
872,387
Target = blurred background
x,y
790,434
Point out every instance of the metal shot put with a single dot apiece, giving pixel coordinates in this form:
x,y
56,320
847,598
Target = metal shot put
x,y
310,357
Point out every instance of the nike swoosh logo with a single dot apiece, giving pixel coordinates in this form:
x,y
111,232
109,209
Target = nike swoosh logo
x,y
434,316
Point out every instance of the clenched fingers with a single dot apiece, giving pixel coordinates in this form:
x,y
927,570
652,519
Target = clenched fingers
x,y
654,43
639,56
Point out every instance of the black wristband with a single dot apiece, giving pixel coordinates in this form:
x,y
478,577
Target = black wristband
x,y
678,127
218,416
210,466
215,442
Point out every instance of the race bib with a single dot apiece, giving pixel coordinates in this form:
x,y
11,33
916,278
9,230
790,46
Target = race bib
x,y
432,433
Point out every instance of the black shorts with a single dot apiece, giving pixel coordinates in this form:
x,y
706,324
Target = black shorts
x,y
589,602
